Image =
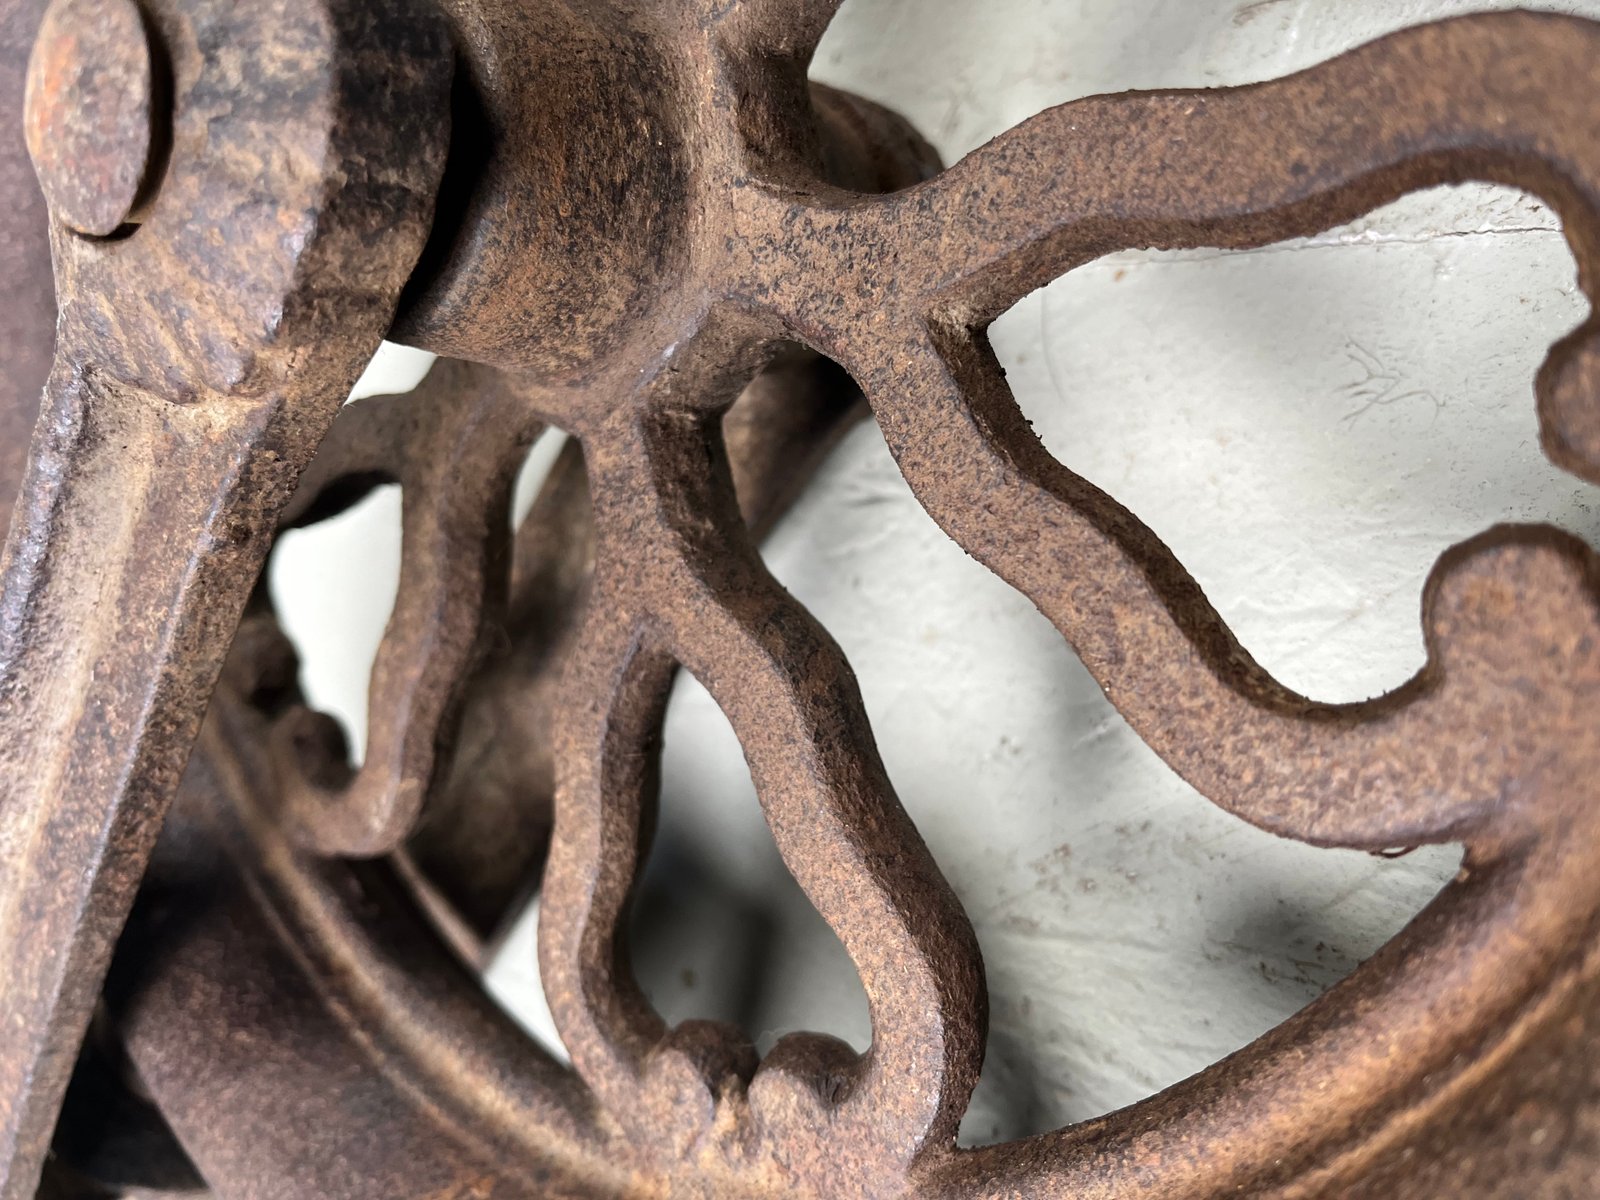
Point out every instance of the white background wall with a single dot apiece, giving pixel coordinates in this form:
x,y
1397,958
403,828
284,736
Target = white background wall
x,y
1308,425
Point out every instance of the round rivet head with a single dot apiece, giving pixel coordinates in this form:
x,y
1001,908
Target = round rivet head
x,y
91,112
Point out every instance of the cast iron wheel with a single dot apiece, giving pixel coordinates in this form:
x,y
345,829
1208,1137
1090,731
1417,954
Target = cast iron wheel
x,y
645,214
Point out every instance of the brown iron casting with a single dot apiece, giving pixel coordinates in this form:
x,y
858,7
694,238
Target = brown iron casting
x,y
636,222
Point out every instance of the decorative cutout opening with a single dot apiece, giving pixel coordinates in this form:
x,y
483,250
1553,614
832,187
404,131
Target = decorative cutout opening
x,y
513,981
1133,934
720,930
535,470
1310,425
333,586
393,371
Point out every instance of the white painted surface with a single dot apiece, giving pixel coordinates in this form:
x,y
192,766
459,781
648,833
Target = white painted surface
x,y
1308,426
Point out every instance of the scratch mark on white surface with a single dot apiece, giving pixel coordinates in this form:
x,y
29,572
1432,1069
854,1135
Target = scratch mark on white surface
x,y
1251,11
1322,241
1052,369
1379,386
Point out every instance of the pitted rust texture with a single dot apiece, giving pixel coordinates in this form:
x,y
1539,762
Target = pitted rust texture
x,y
647,214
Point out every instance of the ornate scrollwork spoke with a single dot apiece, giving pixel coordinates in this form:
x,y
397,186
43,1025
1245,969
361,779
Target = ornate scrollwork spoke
x,y
454,445
700,596
1497,97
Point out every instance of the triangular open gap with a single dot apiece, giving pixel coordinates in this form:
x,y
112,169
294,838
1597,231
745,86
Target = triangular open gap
x,y
720,930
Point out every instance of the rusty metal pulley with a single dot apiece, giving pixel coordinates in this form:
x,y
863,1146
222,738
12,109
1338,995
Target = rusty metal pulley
x,y
640,224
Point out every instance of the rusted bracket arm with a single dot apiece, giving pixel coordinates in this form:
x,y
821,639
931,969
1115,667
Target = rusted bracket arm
x,y
259,176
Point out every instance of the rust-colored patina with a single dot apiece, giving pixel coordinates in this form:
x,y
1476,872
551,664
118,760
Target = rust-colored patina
x,y
94,113
637,223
